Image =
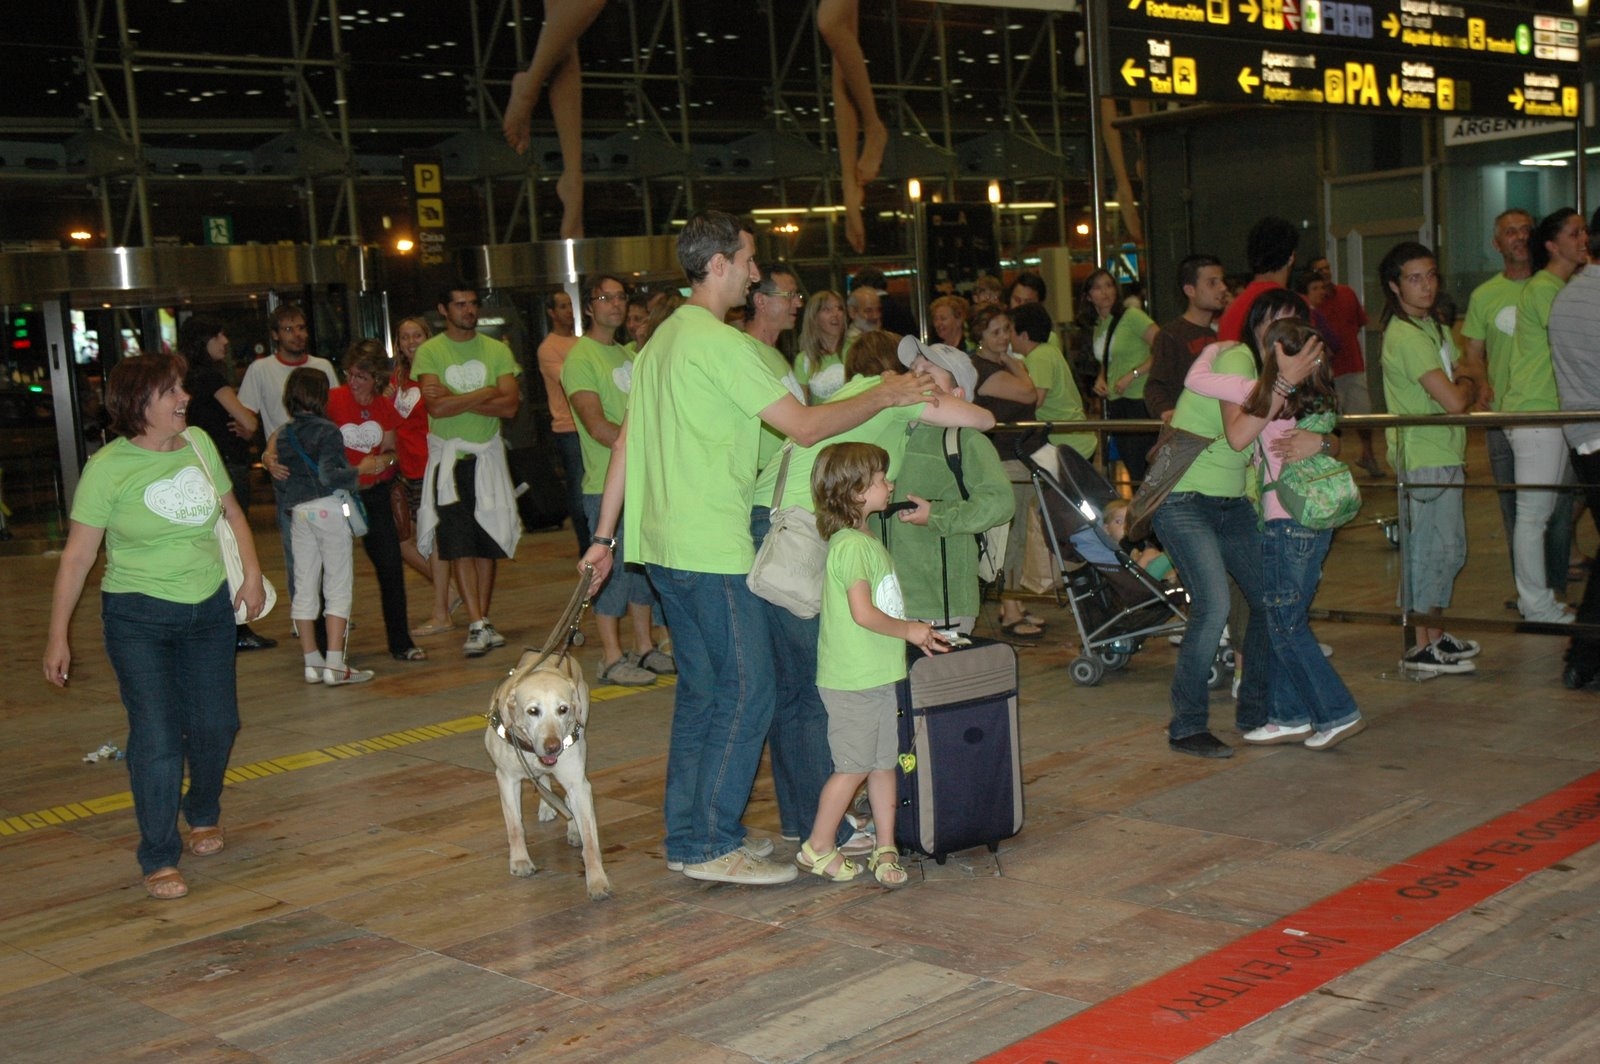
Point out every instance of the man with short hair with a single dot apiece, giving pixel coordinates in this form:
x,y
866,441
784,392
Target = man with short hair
x,y
1490,331
1205,291
865,311
685,460
1269,249
552,354
1343,310
1030,288
261,391
597,377
469,513
1033,338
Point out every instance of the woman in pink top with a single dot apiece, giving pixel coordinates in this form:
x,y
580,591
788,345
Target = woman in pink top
x,y
1307,701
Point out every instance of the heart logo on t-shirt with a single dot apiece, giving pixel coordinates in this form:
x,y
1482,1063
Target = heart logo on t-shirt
x,y
362,436
1506,320
622,377
466,377
186,499
406,399
888,597
827,381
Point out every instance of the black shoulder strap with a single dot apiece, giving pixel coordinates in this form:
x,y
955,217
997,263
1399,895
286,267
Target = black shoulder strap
x,y
952,458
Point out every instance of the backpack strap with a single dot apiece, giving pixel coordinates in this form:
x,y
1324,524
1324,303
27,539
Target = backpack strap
x,y
952,458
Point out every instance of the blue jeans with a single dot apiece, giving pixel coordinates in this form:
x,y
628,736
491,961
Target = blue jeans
x,y
1303,686
801,761
570,451
721,711
174,666
1210,539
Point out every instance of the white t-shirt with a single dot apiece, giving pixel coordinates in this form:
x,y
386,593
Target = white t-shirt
x,y
262,388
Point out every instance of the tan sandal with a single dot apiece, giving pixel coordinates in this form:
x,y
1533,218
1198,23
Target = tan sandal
x,y
165,884
817,864
888,871
203,842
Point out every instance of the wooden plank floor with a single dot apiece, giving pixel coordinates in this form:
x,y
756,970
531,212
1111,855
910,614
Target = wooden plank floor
x,y
363,911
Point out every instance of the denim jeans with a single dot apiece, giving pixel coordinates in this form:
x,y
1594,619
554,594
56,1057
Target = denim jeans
x,y
174,666
570,451
1209,539
1303,686
801,761
721,711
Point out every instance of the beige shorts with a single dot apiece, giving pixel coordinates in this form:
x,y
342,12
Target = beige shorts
x,y
1353,395
861,728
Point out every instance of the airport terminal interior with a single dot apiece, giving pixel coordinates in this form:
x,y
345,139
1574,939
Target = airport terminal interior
x,y
1428,890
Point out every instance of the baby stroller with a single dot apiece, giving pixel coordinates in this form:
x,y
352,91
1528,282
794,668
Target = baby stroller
x,y
1115,603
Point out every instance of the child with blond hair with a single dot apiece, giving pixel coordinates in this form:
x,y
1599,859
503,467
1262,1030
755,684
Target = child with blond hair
x,y
859,659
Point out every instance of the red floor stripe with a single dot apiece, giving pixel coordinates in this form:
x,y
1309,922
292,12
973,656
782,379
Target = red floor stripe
x,y
1192,1007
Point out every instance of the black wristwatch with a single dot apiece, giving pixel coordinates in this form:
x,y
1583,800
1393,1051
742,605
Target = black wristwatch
x,y
608,542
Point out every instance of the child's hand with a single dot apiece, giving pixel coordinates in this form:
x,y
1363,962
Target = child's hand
x,y
918,516
920,634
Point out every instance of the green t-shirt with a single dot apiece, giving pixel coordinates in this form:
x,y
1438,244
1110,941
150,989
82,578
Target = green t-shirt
x,y
465,367
694,433
820,384
607,371
850,657
1062,402
771,438
1219,470
1411,350
1492,318
1128,351
887,428
158,510
1531,380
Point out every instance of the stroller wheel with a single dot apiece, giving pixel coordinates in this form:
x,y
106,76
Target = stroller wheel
x,y
1086,672
1229,658
1112,658
1218,677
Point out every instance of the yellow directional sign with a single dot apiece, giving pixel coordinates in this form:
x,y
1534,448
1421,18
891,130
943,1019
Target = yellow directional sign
x,y
1391,23
1247,80
1250,10
1394,90
1131,72
1516,98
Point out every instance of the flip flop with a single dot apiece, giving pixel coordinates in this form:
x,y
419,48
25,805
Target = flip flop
x,y
423,630
165,884
1010,631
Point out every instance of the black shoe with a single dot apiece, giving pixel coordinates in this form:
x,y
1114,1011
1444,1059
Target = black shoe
x,y
248,640
1574,678
1203,744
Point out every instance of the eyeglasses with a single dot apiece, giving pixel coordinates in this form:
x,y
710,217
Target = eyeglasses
x,y
793,297
611,297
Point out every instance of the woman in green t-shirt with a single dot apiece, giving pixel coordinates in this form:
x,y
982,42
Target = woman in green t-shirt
x,y
1120,339
155,496
819,362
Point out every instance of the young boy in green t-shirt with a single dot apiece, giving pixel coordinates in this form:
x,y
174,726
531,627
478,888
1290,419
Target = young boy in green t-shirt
x,y
859,659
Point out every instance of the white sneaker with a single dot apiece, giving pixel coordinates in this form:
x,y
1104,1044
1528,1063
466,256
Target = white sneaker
x,y
1431,661
1327,651
1325,740
1272,734
495,638
742,866
477,644
761,848
313,674
340,677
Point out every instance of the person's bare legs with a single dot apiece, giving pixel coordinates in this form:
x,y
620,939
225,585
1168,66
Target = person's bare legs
x,y
839,22
413,557
486,574
837,794
643,639
844,120
440,571
610,629
566,107
465,571
564,23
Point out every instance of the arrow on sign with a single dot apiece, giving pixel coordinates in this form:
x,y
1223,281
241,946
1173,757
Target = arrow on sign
x,y
1247,80
1133,5
1392,23
1516,99
1394,90
1130,72
1250,10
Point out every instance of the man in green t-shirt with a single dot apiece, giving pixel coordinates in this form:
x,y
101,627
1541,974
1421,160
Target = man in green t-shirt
x,y
596,378
701,392
469,382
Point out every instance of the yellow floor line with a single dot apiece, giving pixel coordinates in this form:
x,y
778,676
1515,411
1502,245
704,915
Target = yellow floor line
x,y
111,803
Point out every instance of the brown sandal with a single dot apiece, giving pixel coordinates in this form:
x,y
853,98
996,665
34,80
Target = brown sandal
x,y
165,884
203,842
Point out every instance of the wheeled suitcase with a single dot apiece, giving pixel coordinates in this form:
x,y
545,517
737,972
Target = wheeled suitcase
x,y
960,779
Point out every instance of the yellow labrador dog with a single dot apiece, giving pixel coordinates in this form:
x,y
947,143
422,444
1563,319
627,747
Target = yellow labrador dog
x,y
536,730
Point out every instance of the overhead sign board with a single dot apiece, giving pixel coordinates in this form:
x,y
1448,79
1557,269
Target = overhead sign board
x,y
1411,56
